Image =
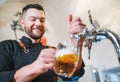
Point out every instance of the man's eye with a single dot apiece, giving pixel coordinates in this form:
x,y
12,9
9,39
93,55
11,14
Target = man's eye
x,y
42,20
33,19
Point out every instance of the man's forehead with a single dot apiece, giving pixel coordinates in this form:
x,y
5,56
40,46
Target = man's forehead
x,y
35,12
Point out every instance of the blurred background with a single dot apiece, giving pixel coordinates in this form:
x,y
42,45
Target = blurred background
x,y
103,65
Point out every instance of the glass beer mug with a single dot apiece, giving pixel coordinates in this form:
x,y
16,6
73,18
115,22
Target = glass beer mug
x,y
66,59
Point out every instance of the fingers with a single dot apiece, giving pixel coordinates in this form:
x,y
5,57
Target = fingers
x,y
48,52
70,18
46,58
78,21
47,66
48,63
75,25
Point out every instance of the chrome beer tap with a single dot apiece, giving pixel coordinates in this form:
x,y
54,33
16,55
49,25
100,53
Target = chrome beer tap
x,y
90,35
97,34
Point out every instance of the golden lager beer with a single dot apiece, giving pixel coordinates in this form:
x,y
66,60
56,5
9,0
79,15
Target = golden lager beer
x,y
65,62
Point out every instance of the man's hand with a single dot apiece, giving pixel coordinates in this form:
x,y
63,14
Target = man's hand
x,y
75,25
45,60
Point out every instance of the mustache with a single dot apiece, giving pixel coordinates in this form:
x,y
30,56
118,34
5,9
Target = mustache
x,y
38,27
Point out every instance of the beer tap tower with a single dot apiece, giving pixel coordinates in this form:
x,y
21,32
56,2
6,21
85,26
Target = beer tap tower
x,y
97,34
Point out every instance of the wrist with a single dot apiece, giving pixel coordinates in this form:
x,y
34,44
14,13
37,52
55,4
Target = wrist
x,y
36,68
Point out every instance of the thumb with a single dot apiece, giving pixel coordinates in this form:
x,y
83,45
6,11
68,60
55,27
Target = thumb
x,y
70,18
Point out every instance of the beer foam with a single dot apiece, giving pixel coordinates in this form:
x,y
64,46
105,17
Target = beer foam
x,y
64,51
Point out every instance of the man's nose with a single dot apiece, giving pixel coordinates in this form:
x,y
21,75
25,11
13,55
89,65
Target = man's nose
x,y
37,22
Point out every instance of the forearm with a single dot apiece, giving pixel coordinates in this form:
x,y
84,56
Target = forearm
x,y
26,74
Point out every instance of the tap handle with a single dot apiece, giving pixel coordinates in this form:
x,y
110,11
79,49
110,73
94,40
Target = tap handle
x,y
90,17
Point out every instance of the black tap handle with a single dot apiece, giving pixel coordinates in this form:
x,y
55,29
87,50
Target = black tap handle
x,y
90,17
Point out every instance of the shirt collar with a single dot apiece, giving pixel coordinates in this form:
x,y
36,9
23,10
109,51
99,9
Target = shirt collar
x,y
28,42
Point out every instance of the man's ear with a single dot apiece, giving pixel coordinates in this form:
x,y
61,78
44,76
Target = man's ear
x,y
21,22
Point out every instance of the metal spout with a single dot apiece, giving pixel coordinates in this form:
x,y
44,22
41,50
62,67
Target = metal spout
x,y
113,37
102,33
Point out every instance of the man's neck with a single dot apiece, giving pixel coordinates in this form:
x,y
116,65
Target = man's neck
x,y
33,40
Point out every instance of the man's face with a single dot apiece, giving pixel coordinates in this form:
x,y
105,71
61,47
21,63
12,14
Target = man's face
x,y
33,22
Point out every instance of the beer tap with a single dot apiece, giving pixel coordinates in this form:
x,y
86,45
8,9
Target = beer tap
x,y
97,34
90,35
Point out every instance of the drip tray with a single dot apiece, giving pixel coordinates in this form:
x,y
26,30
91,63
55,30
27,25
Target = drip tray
x,y
112,74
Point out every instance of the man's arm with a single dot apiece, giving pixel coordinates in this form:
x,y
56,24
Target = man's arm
x,y
7,70
26,73
44,62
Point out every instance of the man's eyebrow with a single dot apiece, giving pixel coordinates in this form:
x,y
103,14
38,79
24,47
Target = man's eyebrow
x,y
37,17
42,18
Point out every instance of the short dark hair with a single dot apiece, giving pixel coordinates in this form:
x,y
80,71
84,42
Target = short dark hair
x,y
36,6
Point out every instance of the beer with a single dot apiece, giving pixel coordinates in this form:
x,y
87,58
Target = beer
x,y
65,62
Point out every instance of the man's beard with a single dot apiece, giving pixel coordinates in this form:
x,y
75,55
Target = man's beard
x,y
33,36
